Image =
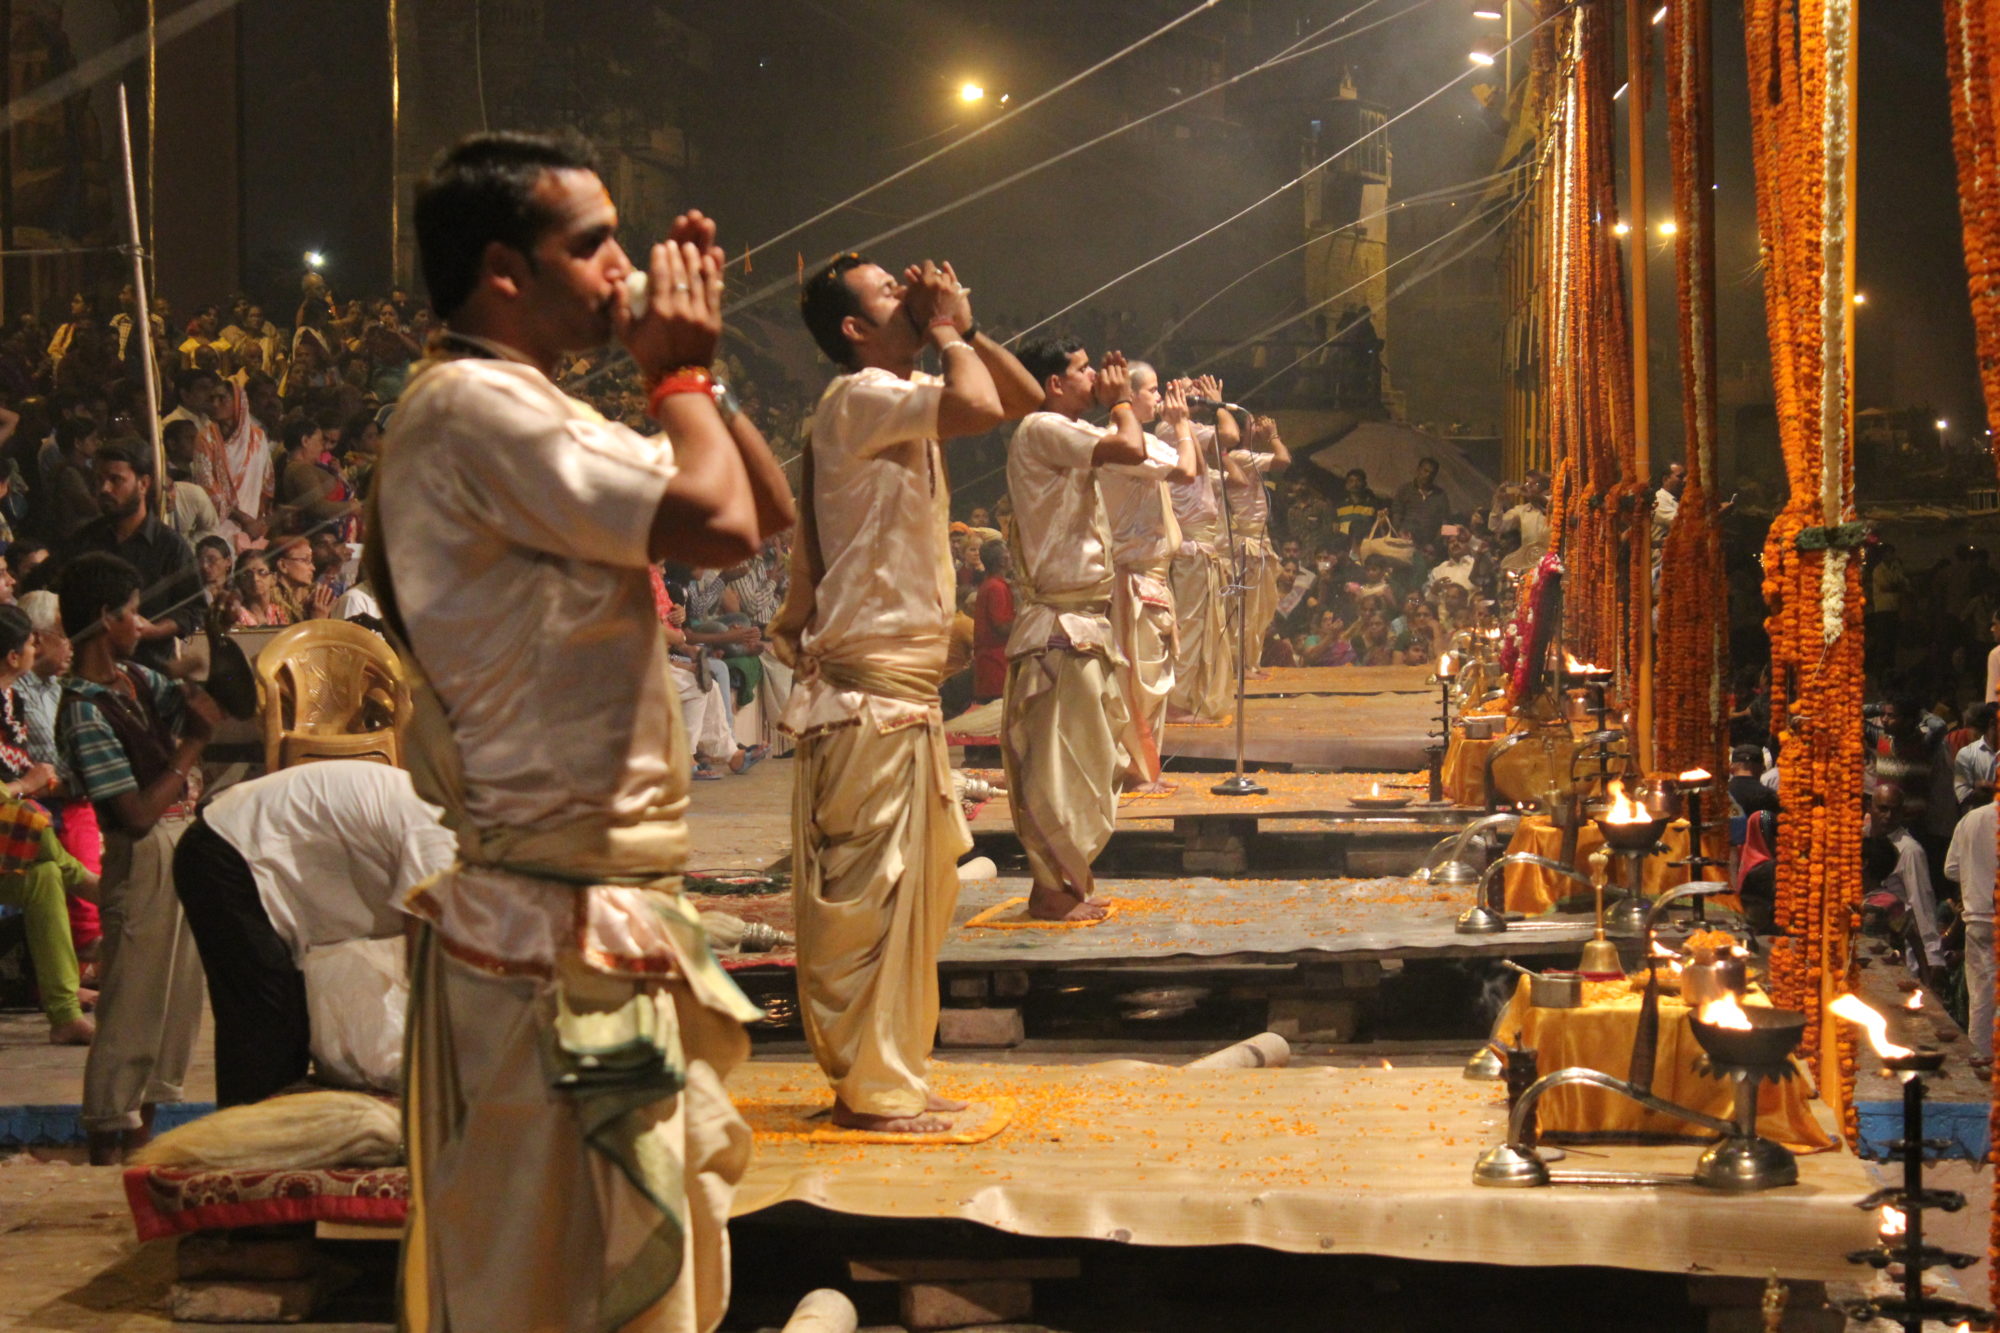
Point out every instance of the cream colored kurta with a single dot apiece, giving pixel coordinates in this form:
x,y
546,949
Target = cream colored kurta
x,y
1250,509
1064,712
513,524
1144,538
876,829
1205,659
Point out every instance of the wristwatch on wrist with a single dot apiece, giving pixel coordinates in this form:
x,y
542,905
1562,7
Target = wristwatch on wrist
x,y
725,399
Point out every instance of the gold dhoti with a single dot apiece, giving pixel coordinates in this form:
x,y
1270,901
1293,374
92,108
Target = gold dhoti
x,y
1205,660
1059,740
876,836
1142,618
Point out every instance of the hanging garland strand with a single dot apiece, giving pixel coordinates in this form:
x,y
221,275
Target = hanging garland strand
x,y
1801,125
1588,354
1975,137
1691,720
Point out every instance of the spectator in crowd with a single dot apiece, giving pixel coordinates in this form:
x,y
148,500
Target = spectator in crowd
x,y
1974,765
1969,863
308,858
1908,883
1746,786
1421,509
992,622
1358,507
37,883
72,499
75,818
258,603
190,508
297,587
133,738
1524,529
127,529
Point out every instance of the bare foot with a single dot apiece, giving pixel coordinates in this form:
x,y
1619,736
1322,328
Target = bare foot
x,y
1178,715
77,1032
933,1102
1154,788
1055,905
1257,675
889,1124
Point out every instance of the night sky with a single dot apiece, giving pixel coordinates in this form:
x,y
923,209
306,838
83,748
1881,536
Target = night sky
x,y
810,99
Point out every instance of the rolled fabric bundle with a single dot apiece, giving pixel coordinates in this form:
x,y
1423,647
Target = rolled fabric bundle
x,y
1265,1050
823,1311
303,1131
979,867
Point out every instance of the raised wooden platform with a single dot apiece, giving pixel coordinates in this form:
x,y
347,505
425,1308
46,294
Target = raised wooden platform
x,y
1308,1160
1214,833
1312,717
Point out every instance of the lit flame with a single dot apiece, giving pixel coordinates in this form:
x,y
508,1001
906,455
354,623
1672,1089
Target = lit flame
x,y
1916,1001
1893,1222
1853,1010
1446,667
1624,810
1576,668
1374,789
1387,1065
1696,775
1724,1013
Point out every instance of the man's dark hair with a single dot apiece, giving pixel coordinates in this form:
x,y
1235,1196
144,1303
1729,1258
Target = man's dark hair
x,y
91,585
174,429
481,190
991,554
186,380
215,543
1750,756
1045,357
1980,716
827,300
137,457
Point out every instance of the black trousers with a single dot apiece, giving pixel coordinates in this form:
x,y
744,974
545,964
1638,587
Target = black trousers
x,y
262,1033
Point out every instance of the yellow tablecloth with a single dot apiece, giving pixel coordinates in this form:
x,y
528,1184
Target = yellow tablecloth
x,y
1465,761
1532,889
1599,1037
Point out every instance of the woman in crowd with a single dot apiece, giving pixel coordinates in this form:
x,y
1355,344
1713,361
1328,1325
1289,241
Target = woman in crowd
x,y
259,603
1370,640
1327,645
38,889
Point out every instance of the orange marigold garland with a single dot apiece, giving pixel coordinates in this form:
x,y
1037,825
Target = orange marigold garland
x,y
1588,354
1975,135
1690,716
1801,128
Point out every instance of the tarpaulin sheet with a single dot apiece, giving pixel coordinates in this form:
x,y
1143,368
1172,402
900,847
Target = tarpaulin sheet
x,y
1311,1161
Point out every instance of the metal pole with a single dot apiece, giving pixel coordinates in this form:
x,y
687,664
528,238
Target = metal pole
x,y
1238,785
143,316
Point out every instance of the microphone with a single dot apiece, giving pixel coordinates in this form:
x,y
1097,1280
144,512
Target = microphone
x,y
1203,400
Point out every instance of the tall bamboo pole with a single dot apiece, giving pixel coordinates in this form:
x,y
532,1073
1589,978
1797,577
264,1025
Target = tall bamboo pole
x,y
143,316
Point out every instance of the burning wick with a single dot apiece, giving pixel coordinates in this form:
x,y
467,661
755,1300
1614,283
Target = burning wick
x,y
1374,789
1575,668
1853,1010
1893,1222
1724,1013
1695,776
1623,809
1446,667
1915,1003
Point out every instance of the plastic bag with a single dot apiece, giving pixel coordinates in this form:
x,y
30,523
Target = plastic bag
x,y
356,994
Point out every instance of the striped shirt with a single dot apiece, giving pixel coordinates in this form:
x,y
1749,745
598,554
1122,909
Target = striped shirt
x,y
91,747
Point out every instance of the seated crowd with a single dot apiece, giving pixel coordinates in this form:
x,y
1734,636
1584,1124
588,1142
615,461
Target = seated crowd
x,y
270,437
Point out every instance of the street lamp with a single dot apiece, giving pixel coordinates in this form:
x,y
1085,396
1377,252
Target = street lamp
x,y
1502,12
1668,228
969,92
315,260
1861,298
1621,229
1482,53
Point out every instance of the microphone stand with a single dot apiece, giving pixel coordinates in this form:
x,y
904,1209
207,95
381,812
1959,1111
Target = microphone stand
x,y
1238,785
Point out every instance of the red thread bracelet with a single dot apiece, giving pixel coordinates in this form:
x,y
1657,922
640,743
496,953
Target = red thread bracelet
x,y
687,379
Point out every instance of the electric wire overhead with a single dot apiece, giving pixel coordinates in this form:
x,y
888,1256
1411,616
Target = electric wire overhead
x,y
764,293
1247,209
